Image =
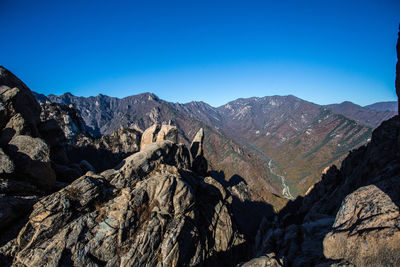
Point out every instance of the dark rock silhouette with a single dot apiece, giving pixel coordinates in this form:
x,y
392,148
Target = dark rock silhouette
x,y
199,164
397,82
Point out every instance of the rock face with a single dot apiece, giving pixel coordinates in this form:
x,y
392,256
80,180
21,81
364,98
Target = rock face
x,y
32,158
199,164
366,227
26,173
151,211
158,133
17,100
105,152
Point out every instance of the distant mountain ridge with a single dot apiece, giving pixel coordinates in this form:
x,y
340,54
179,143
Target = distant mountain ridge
x,y
274,143
383,106
372,115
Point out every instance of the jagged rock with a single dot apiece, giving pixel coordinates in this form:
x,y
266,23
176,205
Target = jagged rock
x,y
366,230
196,148
158,133
167,132
149,135
148,212
125,140
199,164
3,116
6,164
141,164
17,98
32,158
15,126
65,119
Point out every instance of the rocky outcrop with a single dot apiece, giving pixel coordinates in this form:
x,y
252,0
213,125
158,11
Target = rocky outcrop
x,y
199,164
32,159
26,173
17,100
56,117
105,152
366,229
158,133
150,211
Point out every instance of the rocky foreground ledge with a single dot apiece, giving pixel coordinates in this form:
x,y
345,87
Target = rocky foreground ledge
x,y
150,211
158,207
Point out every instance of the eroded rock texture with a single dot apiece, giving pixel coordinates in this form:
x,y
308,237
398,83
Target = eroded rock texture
x,y
158,133
151,211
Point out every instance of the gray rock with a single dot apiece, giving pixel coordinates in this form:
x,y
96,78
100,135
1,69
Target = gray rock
x,y
6,164
157,133
366,231
148,212
32,158
199,163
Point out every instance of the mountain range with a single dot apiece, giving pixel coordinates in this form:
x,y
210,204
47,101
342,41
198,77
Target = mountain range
x,y
277,146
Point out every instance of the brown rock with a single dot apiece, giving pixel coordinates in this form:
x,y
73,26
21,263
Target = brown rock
x,y
158,133
167,132
149,135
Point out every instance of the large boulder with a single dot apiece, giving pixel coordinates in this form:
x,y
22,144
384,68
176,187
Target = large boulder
x,y
146,212
157,133
32,159
365,231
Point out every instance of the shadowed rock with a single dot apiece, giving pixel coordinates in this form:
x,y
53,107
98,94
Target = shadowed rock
x,y
199,163
32,158
6,164
397,82
17,98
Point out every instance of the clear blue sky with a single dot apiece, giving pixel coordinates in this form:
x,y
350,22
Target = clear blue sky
x,y
214,51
